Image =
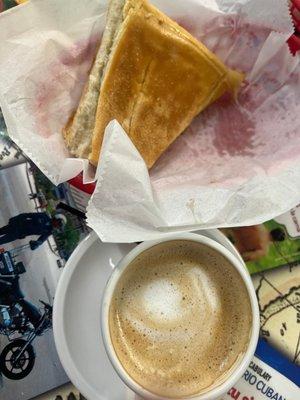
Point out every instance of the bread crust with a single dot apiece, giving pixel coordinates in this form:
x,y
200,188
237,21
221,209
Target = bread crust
x,y
158,79
79,129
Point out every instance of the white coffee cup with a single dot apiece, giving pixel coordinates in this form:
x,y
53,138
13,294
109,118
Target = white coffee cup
x,y
241,366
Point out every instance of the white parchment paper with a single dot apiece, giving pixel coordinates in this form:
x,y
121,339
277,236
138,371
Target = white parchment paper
x,y
46,51
238,163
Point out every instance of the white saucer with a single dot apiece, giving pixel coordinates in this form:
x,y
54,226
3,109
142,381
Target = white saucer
x,y
76,317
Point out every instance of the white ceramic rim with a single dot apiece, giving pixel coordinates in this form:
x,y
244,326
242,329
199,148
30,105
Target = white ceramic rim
x,y
60,338
245,360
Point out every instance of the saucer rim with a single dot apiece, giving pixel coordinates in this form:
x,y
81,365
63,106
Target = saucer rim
x,y
60,336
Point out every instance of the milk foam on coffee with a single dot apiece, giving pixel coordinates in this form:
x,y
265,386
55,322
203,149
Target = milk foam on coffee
x,y
180,319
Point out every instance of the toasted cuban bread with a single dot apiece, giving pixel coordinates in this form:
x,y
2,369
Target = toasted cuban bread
x,y
149,74
79,129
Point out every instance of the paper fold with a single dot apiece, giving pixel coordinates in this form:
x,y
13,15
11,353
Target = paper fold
x,y
239,161
47,49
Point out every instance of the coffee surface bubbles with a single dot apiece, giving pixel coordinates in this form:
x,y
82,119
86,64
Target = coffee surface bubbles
x,y
180,319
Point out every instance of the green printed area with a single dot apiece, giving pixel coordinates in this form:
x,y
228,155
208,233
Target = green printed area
x,y
6,4
282,253
277,247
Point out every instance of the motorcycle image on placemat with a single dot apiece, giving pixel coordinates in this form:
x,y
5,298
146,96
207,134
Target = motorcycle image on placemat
x,y
20,321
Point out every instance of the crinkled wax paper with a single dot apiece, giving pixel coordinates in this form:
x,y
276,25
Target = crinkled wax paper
x,y
239,161
47,49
